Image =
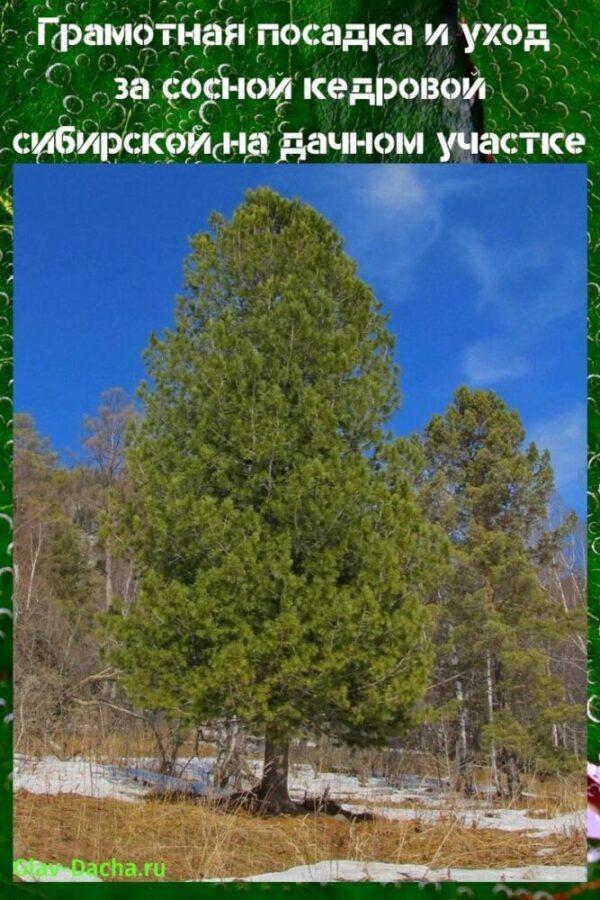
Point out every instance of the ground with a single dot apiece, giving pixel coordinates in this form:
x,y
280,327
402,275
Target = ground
x,y
98,811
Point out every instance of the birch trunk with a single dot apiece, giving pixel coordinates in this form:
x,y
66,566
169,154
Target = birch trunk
x,y
490,702
465,774
108,584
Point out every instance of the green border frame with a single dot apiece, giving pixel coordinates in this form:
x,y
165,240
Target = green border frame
x,y
527,92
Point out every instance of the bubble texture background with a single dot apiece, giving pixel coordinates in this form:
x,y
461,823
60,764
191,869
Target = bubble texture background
x,y
41,89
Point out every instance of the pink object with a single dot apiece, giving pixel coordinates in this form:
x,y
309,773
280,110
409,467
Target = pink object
x,y
593,794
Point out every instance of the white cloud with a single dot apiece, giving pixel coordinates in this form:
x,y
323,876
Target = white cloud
x,y
564,435
486,363
399,186
397,210
404,206
481,263
528,284
417,190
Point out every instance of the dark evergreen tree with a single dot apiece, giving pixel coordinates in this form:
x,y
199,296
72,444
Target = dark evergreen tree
x,y
282,556
496,621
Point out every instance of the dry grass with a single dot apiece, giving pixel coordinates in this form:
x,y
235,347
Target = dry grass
x,y
197,842
98,744
557,795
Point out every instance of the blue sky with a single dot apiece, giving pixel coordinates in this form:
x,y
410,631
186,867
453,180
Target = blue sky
x,y
481,268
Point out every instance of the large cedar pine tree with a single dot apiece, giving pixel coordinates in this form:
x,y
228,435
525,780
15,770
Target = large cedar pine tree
x,y
282,555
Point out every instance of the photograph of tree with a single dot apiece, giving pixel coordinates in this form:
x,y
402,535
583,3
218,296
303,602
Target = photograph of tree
x,y
301,584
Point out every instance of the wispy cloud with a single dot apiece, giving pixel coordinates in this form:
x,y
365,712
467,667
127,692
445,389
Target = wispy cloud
x,y
528,282
402,189
564,435
397,211
488,362
402,205
479,260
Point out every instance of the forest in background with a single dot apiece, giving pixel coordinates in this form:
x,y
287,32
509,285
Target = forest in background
x,y
494,665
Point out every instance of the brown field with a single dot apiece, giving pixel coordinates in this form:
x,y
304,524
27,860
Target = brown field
x,y
199,842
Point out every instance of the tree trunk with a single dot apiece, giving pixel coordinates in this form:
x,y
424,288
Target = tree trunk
x,y
231,764
272,789
34,562
108,583
465,782
464,779
490,701
511,771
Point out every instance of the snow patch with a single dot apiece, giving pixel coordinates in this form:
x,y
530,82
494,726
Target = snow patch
x,y
351,870
501,819
130,781
50,775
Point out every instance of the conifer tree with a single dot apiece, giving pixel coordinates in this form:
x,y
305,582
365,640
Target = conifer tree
x,y
283,558
496,622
